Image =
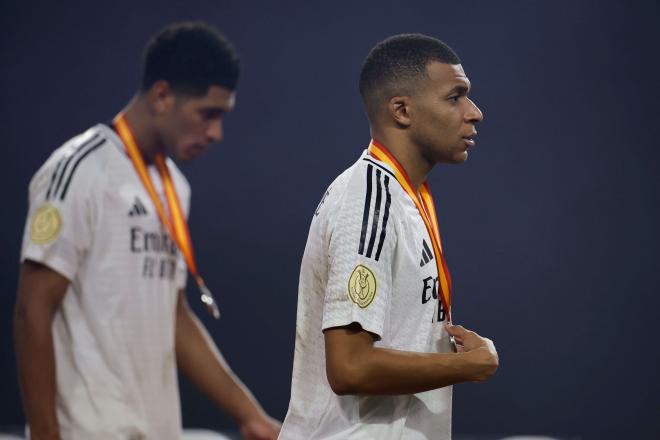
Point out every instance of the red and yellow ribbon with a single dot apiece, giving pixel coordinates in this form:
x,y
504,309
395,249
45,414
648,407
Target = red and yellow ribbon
x,y
424,203
175,223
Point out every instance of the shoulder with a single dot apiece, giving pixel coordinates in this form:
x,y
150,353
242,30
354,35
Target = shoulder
x,y
361,201
344,188
78,163
364,183
369,183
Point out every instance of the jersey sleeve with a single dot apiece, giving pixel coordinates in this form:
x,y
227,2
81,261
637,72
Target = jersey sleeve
x,y
362,240
61,214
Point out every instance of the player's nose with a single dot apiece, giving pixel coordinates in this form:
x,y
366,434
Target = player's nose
x,y
214,131
474,114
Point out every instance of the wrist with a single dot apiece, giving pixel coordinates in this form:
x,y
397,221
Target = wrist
x,y
250,410
482,363
469,365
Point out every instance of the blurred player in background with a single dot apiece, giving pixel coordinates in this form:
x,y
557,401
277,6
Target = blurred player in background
x,y
101,319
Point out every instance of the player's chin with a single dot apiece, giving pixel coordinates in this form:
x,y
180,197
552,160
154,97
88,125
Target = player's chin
x,y
459,156
190,153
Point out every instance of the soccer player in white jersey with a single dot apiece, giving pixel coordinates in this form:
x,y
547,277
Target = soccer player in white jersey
x,y
101,319
373,356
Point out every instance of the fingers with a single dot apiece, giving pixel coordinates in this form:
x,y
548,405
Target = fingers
x,y
456,330
467,338
459,332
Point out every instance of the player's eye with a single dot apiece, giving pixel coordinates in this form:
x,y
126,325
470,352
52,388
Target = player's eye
x,y
454,98
208,115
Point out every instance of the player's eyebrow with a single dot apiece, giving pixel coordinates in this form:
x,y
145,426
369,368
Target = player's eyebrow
x,y
459,89
213,111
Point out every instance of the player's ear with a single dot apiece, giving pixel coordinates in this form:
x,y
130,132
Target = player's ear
x,y
398,107
161,97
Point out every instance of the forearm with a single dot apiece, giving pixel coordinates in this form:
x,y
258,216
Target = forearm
x,y
390,372
36,370
355,366
199,359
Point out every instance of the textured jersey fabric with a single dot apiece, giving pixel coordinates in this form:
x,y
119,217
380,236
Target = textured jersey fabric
x,y
114,332
367,261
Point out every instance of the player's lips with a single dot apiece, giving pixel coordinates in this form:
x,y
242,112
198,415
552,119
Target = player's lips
x,y
194,150
199,148
469,140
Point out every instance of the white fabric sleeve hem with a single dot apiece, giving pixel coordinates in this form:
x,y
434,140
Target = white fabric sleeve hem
x,y
371,327
54,262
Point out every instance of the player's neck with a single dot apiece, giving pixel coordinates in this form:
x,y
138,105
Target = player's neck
x,y
407,154
140,122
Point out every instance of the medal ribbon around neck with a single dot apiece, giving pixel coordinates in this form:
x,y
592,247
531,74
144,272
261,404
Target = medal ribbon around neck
x,y
175,223
426,209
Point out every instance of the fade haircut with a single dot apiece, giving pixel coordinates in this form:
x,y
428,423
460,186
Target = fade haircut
x,y
395,66
191,57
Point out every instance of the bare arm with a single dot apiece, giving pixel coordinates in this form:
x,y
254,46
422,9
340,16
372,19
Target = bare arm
x,y
200,360
40,293
355,366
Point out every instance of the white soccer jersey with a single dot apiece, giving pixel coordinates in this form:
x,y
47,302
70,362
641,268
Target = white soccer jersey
x,y
368,260
91,220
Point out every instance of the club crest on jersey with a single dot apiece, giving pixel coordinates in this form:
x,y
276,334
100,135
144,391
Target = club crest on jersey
x,y
362,286
46,224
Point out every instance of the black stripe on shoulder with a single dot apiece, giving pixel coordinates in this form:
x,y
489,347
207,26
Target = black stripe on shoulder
x,y
374,224
386,215
75,165
367,205
77,151
366,159
54,177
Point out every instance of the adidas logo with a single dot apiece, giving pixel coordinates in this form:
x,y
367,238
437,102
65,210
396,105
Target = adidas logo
x,y
137,209
427,254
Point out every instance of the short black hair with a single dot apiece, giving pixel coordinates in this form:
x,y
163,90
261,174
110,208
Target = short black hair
x,y
395,65
191,57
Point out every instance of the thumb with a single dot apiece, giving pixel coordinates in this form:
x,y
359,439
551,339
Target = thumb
x,y
456,330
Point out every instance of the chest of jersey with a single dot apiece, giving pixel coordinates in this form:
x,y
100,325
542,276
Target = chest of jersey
x,y
130,231
416,313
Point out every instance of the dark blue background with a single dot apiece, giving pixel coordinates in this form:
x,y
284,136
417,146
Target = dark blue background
x,y
550,228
